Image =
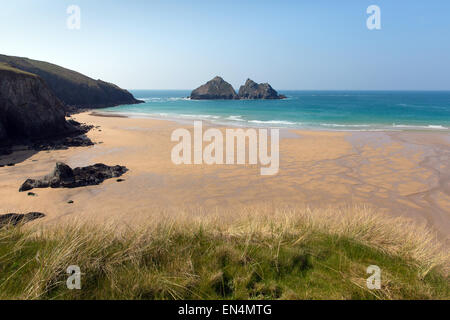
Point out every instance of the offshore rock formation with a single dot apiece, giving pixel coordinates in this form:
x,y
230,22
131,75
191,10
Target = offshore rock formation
x,y
72,88
64,177
28,108
215,89
253,90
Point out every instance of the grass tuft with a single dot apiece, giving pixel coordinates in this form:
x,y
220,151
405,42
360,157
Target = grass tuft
x,y
250,254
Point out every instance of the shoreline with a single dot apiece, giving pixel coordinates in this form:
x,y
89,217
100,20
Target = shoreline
x,y
399,173
266,124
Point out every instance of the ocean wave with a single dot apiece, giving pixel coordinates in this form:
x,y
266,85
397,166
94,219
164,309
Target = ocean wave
x,y
179,99
274,122
163,99
235,118
198,116
335,125
431,126
381,127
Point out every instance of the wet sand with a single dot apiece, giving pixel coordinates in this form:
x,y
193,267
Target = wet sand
x,y
401,173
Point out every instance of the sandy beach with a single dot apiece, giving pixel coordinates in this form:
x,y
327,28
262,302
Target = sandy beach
x,y
400,173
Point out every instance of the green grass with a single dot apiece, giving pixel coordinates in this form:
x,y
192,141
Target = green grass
x,y
48,68
6,67
283,255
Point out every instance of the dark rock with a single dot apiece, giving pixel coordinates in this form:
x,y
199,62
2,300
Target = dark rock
x,y
252,90
81,141
14,218
4,151
217,89
77,139
10,164
64,177
120,180
214,89
3,133
29,184
28,108
70,202
32,194
73,122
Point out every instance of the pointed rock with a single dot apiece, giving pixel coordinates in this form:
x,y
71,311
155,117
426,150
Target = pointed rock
x,y
215,89
253,90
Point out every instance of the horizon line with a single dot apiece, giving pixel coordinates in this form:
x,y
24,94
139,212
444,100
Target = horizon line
x,y
374,90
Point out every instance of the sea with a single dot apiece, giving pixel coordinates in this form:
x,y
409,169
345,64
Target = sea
x,y
324,110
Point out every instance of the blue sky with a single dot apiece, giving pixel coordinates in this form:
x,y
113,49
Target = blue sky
x,y
321,44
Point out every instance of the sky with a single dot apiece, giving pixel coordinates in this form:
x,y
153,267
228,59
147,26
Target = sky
x,y
293,45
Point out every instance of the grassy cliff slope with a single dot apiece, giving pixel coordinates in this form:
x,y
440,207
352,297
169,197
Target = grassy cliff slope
x,y
71,87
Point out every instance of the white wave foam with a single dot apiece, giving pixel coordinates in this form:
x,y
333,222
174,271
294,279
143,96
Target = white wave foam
x,y
408,126
381,127
235,118
178,99
274,122
199,116
335,125
164,99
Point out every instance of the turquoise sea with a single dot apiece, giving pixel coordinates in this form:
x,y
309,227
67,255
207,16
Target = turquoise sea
x,y
331,110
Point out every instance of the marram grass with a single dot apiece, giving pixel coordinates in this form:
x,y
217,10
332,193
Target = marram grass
x,y
250,254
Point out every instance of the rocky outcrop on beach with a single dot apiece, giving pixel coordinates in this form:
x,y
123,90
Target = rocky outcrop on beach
x,y
73,89
65,177
79,139
215,89
16,218
253,90
28,108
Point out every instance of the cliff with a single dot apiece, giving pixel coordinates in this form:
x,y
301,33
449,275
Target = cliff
x,y
215,89
28,108
73,88
253,90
